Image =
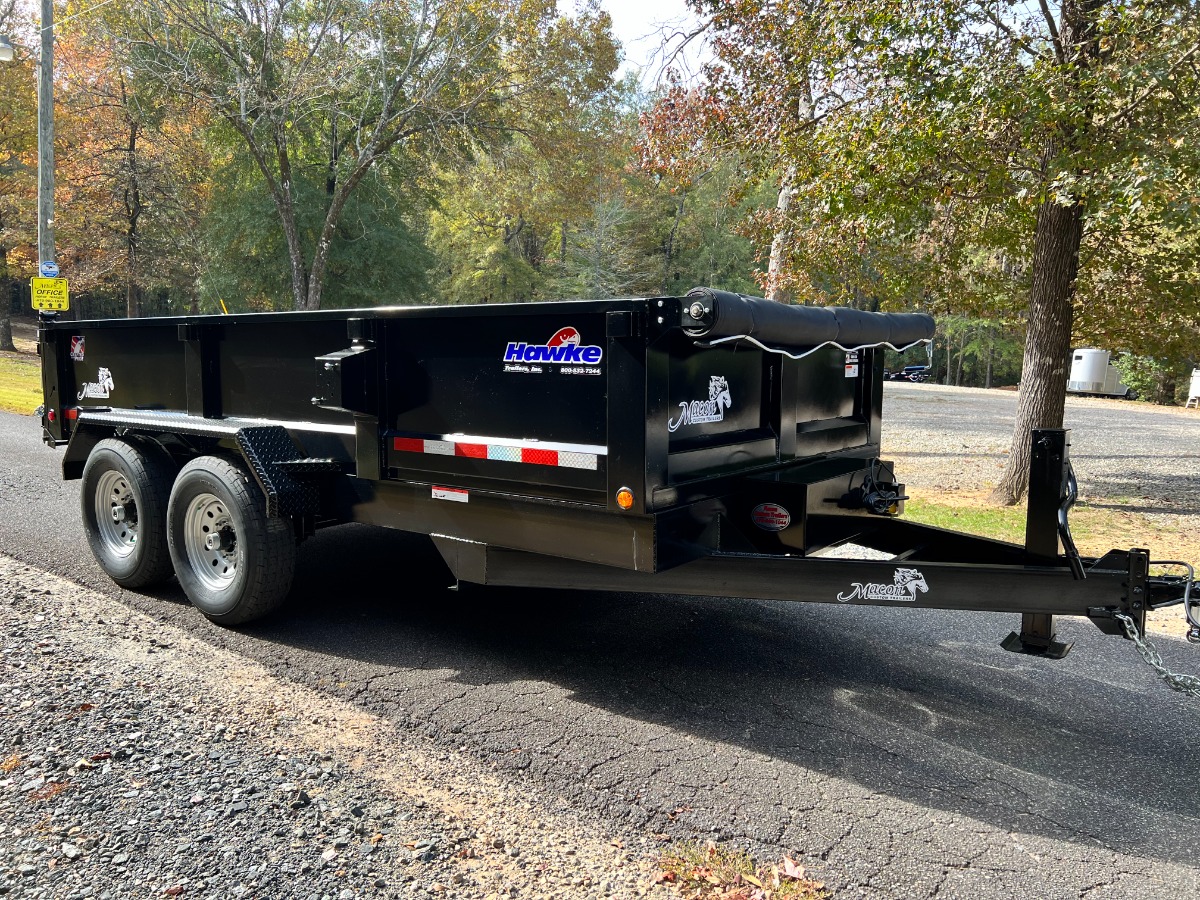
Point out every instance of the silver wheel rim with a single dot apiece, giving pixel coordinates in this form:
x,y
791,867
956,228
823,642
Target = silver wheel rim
x,y
211,541
116,514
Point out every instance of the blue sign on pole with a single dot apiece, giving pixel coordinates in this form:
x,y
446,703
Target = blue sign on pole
x,y
48,270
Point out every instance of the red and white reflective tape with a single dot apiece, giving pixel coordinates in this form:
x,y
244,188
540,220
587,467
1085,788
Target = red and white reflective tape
x,y
539,453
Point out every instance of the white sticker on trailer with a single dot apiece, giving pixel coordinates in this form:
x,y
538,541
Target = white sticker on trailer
x,y
455,494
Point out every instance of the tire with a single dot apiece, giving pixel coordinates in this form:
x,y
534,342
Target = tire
x,y
124,502
234,563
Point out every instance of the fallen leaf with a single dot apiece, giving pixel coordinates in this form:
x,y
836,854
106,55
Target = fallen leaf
x,y
49,791
791,869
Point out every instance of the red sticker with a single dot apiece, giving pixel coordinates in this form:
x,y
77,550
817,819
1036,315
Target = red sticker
x,y
566,335
771,517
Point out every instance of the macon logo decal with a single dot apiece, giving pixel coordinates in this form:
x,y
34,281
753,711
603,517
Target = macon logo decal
x,y
703,412
99,388
903,589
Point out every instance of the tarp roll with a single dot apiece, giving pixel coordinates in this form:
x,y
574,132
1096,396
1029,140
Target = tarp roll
x,y
785,325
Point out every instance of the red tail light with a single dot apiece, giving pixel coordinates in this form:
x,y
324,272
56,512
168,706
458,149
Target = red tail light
x,y
72,413
50,415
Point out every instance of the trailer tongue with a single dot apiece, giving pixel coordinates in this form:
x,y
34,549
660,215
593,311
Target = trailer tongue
x,y
712,444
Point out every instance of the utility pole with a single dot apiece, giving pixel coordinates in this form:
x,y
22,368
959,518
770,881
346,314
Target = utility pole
x,y
46,137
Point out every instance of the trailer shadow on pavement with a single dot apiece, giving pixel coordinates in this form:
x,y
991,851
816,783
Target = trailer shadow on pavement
x,y
922,706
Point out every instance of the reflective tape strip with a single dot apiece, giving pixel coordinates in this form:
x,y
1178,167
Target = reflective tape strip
x,y
504,454
409,445
476,451
577,460
539,457
569,456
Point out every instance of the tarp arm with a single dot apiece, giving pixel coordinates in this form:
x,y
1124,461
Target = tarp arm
x,y
718,317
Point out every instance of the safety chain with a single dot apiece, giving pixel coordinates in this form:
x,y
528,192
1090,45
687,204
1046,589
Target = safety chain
x,y
1186,684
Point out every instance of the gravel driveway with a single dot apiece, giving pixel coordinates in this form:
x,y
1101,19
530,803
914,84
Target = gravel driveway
x,y
1132,455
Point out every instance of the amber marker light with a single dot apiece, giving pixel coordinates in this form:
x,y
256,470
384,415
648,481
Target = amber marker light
x,y
625,498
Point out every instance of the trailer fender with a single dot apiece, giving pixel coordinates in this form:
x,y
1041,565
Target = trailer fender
x,y
83,440
283,473
289,480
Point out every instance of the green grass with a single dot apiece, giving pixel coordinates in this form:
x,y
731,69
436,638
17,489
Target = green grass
x,y
20,383
1001,523
1096,527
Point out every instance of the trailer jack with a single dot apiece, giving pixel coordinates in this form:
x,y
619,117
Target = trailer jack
x,y
1036,638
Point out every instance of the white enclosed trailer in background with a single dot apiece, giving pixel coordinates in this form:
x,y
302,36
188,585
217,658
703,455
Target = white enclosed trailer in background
x,y
1093,374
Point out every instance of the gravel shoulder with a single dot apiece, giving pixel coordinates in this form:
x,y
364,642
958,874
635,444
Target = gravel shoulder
x,y
138,761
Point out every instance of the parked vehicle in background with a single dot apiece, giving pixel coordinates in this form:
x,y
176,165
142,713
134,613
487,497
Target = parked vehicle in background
x,y
915,374
1093,374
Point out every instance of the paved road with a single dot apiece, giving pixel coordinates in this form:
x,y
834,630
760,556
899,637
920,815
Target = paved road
x,y
901,753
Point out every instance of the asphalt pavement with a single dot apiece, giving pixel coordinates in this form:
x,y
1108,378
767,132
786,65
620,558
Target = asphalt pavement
x,y
896,752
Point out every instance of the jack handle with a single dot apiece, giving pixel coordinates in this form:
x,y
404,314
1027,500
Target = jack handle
x,y
1064,527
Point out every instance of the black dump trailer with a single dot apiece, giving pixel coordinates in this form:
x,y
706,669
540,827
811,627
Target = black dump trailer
x,y
712,444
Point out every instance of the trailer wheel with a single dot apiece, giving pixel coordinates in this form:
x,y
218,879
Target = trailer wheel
x,y
235,564
124,500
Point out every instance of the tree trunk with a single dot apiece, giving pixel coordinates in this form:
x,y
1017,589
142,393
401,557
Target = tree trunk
x,y
1043,393
779,242
133,300
987,380
6,338
133,212
669,249
962,351
1057,236
315,275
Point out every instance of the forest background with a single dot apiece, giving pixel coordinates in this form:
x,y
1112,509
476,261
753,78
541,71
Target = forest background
x,y
278,154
